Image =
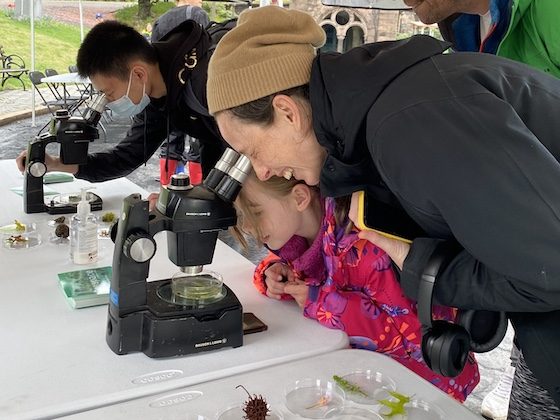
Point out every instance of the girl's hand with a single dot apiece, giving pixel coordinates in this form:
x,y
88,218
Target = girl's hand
x,y
397,250
275,278
299,290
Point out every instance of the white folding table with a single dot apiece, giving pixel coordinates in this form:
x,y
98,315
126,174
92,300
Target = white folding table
x,y
54,359
209,399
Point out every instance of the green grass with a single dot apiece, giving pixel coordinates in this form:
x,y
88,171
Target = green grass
x,y
129,15
217,11
56,44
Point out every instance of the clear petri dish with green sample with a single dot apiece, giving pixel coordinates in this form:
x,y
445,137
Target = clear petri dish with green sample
x,y
194,288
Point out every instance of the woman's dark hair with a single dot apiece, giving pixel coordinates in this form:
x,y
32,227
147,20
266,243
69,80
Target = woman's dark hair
x,y
109,48
260,111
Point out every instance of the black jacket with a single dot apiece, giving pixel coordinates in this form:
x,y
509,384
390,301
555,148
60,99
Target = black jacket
x,y
469,144
183,109
175,16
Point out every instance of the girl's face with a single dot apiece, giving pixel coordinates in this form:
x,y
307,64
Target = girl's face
x,y
287,146
277,217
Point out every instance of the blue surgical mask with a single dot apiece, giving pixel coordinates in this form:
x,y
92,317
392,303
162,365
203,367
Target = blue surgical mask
x,y
124,105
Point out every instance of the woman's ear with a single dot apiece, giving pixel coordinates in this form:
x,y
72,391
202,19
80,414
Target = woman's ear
x,y
301,194
287,110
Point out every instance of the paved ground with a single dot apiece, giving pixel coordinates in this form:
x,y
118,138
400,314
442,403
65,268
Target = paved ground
x,y
15,135
68,11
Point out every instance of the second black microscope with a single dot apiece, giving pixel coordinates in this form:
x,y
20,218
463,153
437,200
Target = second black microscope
x,y
74,135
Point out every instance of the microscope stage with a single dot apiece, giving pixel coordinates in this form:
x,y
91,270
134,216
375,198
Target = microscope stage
x,y
68,203
159,297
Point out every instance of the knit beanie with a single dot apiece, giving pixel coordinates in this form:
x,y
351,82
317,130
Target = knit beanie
x,y
270,50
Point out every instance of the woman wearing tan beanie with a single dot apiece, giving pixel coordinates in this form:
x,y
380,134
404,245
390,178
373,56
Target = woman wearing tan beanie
x,y
465,144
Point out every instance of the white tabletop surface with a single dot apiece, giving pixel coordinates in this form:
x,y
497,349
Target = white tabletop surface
x,y
54,359
65,78
208,399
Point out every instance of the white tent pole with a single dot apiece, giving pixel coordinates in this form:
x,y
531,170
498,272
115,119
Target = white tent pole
x,y
81,21
32,17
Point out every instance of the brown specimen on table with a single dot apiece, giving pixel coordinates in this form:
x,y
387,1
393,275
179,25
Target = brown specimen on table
x,y
255,407
62,230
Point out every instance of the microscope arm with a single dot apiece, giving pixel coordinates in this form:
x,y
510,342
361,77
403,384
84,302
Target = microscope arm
x,y
134,247
35,169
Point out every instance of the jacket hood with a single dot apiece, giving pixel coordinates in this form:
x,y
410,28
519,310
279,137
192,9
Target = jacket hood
x,y
179,54
343,87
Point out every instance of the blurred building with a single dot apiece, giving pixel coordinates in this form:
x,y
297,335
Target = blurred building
x,y
349,27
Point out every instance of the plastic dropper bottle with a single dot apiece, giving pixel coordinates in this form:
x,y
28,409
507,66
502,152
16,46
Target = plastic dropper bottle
x,y
83,233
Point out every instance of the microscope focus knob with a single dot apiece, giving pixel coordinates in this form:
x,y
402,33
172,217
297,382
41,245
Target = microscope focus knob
x,y
37,169
139,247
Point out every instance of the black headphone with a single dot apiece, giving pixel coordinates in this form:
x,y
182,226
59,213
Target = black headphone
x,y
446,345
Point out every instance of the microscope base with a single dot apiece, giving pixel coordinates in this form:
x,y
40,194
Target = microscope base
x,y
166,330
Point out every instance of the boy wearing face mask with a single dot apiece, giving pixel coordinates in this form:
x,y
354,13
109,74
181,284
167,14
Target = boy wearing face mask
x,y
161,85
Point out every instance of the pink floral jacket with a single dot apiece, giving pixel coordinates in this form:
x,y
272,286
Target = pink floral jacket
x,y
359,293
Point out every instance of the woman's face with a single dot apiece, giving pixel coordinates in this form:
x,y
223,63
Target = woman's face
x,y
281,148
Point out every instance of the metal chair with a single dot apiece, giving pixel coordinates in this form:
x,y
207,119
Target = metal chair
x,y
64,94
52,104
86,90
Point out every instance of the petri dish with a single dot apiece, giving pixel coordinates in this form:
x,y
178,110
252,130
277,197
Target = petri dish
x,y
17,227
422,410
59,227
313,398
417,410
200,289
24,241
58,241
20,235
104,230
105,223
58,220
352,413
70,198
373,384
236,412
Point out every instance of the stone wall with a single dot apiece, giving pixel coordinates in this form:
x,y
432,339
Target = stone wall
x,y
376,25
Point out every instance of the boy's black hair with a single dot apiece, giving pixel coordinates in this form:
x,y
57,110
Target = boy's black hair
x,y
108,49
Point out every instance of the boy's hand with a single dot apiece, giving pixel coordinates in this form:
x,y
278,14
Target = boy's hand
x,y
53,163
152,201
298,289
275,279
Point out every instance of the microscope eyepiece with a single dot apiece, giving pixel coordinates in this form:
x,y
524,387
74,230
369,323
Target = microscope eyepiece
x,y
241,170
231,183
95,109
221,168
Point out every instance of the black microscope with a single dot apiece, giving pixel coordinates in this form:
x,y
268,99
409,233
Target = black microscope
x,y
193,311
74,135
